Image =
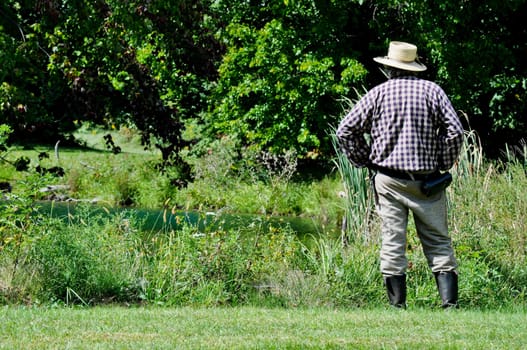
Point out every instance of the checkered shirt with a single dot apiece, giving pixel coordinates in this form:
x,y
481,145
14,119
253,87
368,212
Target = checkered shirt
x,y
410,126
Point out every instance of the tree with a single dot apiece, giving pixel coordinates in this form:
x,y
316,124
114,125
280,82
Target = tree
x,y
169,66
27,94
272,73
476,51
147,63
286,67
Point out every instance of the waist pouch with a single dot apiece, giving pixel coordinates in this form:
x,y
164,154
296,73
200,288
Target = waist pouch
x,y
436,184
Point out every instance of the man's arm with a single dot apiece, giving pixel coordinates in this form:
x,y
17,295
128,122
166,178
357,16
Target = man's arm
x,y
451,139
350,133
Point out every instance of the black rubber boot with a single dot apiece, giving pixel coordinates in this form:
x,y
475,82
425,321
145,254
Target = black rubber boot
x,y
448,289
396,289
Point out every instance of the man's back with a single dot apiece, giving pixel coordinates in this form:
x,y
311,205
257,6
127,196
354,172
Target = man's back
x,y
409,119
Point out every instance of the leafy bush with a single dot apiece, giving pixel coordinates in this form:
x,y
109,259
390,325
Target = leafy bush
x,y
274,92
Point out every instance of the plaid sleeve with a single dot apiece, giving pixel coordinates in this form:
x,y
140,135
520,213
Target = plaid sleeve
x,y
351,132
451,134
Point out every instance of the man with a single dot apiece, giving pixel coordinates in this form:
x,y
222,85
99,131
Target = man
x,y
414,133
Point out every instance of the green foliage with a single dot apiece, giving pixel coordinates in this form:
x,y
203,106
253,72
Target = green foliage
x,y
358,197
269,175
270,74
213,267
275,90
25,95
5,130
20,224
508,104
488,226
475,51
106,62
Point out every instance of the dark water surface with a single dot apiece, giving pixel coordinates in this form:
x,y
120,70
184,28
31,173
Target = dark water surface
x,y
161,220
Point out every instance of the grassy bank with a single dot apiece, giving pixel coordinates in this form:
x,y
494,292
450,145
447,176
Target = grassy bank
x,y
259,328
88,260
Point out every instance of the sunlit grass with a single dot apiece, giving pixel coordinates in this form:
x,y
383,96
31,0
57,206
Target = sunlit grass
x,y
259,328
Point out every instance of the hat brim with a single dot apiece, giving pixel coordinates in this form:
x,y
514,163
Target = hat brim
x,y
409,66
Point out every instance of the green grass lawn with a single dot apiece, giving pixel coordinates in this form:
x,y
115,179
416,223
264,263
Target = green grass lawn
x,y
259,328
127,139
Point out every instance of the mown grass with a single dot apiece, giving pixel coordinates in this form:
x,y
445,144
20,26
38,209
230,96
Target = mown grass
x,y
259,328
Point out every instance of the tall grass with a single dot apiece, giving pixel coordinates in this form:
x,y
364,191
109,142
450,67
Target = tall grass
x,y
90,259
358,198
471,159
489,225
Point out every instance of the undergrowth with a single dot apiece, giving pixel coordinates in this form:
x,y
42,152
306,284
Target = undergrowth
x,y
86,258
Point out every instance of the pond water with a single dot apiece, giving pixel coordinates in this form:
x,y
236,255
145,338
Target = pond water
x,y
162,220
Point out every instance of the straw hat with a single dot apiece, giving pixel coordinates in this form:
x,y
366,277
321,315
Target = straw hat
x,y
401,55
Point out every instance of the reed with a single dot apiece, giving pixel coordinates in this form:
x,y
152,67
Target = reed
x,y
358,198
471,158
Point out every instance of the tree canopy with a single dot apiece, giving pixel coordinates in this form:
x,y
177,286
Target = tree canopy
x,y
270,74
